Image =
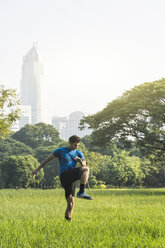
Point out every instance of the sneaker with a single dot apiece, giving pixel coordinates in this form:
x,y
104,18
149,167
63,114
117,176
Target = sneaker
x,y
84,195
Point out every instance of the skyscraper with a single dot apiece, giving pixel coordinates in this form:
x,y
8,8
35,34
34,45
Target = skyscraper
x,y
68,126
32,85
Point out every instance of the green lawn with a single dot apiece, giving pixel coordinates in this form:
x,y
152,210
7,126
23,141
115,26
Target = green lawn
x,y
115,218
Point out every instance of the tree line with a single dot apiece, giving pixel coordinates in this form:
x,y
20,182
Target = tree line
x,y
125,149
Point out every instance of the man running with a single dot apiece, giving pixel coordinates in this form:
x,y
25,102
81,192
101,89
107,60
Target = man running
x,y
69,174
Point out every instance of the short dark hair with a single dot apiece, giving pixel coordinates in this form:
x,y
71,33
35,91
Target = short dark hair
x,y
74,138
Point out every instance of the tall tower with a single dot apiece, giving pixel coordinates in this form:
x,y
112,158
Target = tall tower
x,y
32,84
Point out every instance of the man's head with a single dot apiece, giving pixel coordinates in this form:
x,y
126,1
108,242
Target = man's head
x,y
74,141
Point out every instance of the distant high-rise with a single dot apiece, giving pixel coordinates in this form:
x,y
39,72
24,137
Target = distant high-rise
x,y
68,126
32,85
25,116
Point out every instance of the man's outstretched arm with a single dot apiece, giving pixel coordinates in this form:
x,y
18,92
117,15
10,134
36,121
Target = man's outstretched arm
x,y
45,162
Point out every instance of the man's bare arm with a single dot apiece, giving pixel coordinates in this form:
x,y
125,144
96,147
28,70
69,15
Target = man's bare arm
x,y
45,162
81,161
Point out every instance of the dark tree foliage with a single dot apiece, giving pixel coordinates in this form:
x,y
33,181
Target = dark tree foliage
x,y
16,170
37,135
51,170
9,146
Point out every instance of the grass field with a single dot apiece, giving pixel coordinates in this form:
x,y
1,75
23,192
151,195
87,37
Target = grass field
x,y
115,218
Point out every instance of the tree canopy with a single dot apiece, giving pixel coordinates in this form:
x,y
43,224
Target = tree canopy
x,y
9,146
16,170
9,110
37,135
138,115
51,170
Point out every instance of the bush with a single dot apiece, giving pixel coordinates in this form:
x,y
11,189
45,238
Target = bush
x,y
100,186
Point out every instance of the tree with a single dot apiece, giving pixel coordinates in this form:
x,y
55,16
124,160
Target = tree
x,y
107,149
9,146
51,170
1,180
57,182
87,141
155,170
37,135
16,170
138,115
122,170
9,110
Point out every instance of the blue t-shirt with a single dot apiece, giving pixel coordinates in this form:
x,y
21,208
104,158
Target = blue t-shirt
x,y
66,158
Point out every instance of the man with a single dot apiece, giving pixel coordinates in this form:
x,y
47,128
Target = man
x,y
69,173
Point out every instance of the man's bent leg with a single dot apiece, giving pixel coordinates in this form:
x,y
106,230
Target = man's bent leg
x,y
83,181
84,178
84,175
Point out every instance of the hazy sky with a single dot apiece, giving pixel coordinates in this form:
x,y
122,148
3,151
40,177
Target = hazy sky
x,y
93,50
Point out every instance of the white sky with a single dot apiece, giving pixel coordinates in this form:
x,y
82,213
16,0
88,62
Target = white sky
x,y
93,50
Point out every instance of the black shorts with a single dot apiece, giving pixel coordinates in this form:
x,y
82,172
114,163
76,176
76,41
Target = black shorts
x,y
68,180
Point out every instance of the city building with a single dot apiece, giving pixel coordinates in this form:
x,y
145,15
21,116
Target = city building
x,y
25,115
68,126
32,87
15,126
